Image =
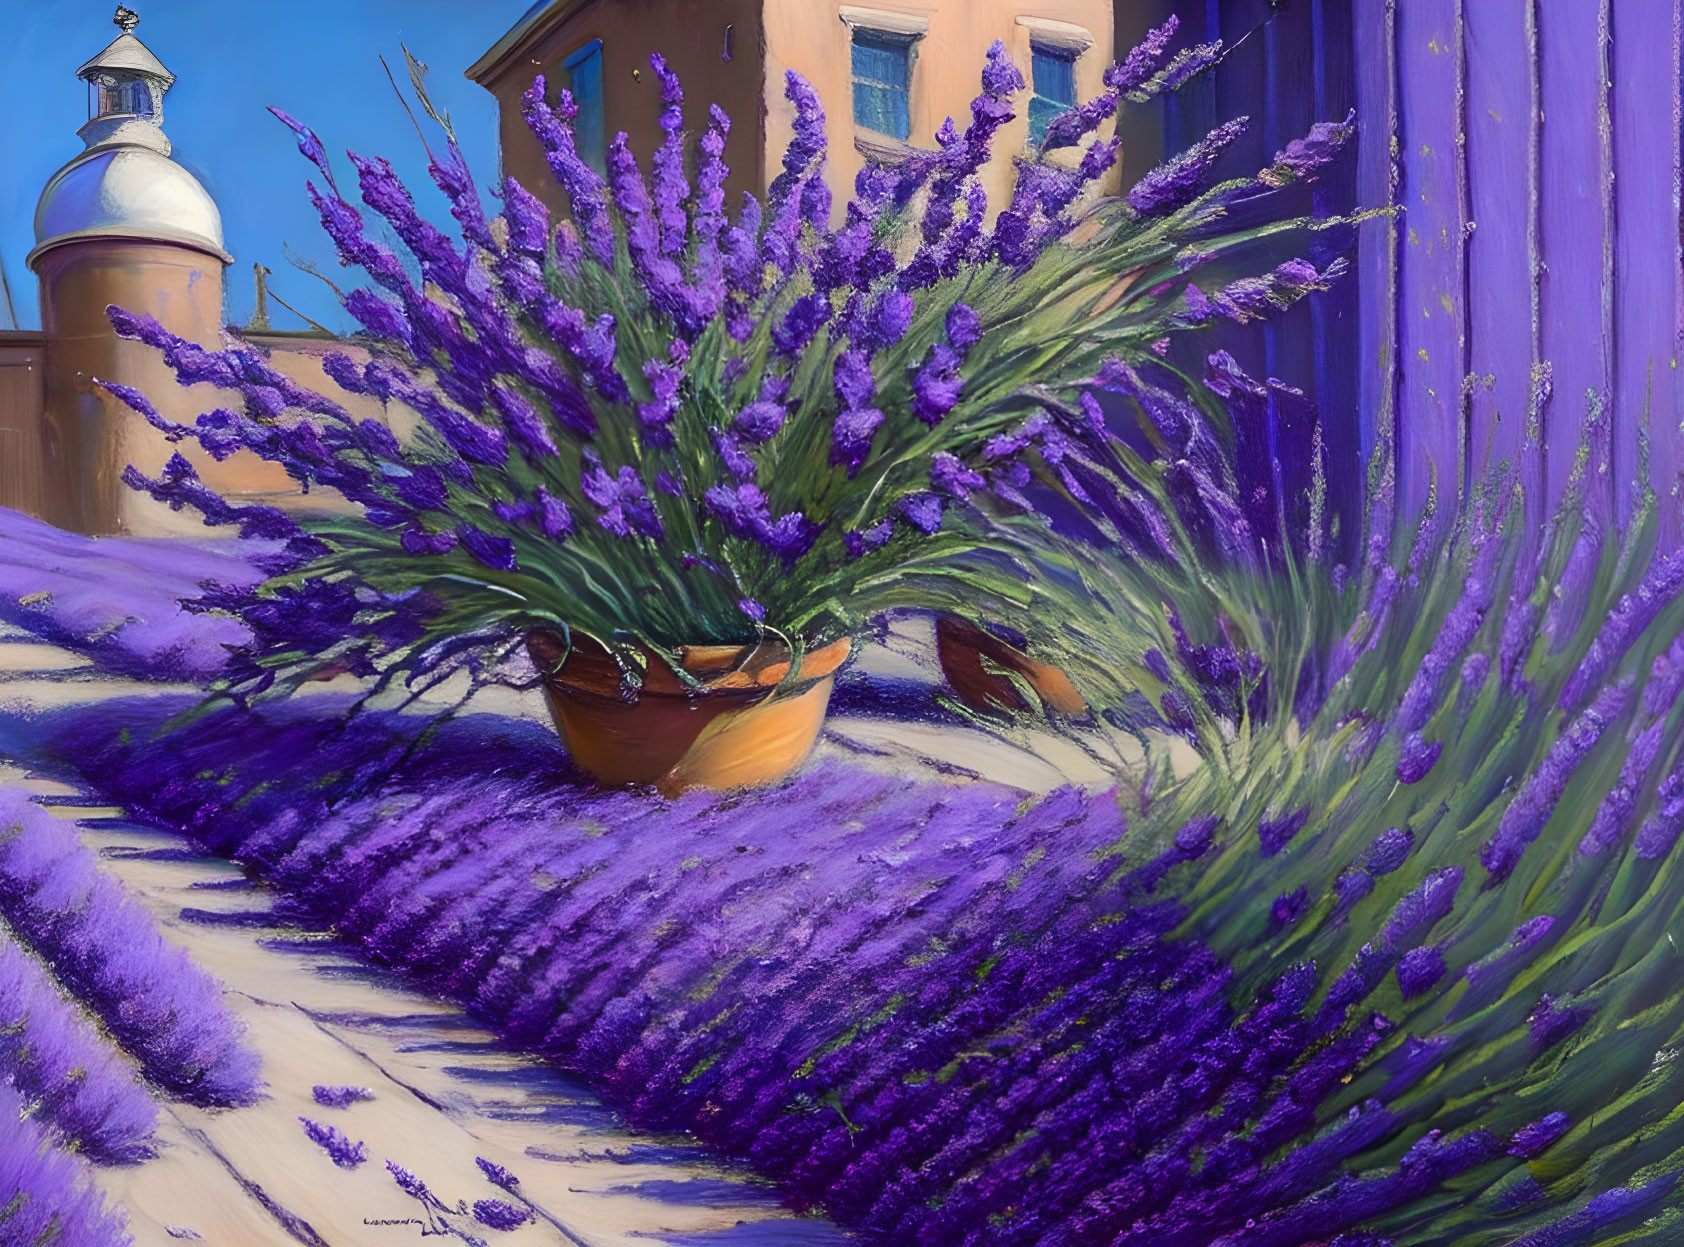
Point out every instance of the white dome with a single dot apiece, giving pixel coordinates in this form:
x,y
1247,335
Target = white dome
x,y
127,191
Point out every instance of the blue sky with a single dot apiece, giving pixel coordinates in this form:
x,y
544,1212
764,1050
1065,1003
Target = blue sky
x,y
317,59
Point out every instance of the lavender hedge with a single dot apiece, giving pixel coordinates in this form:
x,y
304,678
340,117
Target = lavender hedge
x,y
55,1060
46,1196
101,945
118,602
946,1017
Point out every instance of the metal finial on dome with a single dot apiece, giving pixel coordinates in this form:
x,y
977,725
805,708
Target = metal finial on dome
x,y
126,20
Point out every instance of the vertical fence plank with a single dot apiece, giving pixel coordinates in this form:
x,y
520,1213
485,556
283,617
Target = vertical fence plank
x,y
1432,335
1573,230
1377,242
1334,323
1645,240
1500,275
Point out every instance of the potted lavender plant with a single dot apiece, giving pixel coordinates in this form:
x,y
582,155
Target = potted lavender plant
x,y
680,455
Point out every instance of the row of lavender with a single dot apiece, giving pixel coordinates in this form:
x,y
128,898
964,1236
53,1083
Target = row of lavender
x,y
97,1012
1394,967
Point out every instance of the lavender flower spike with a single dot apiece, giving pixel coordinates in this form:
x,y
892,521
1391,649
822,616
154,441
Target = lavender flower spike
x,y
1625,623
339,1097
1177,182
1302,160
343,1152
1536,801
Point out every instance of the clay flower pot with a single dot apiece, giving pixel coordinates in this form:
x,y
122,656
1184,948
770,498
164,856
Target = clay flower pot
x,y
961,647
741,728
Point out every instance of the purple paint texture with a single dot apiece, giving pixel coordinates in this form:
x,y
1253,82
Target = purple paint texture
x,y
46,1195
117,600
103,946
53,1057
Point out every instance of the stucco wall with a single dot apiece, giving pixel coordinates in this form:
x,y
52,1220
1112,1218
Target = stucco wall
x,y
689,33
810,36
87,436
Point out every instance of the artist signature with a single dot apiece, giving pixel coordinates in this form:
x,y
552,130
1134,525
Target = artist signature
x,y
434,1223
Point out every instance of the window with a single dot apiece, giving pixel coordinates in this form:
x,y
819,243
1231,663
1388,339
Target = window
x,y
1053,73
882,82
117,95
590,127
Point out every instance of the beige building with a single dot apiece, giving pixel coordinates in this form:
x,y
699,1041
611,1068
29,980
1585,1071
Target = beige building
x,y
889,74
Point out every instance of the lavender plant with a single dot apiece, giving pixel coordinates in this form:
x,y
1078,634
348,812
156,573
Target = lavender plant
x,y
46,1195
1319,991
340,1097
338,1146
658,423
165,1010
53,1058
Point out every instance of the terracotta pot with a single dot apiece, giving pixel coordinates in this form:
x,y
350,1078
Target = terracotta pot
x,y
961,647
738,730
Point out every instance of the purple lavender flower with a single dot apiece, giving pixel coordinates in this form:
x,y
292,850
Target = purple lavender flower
x,y
759,421
555,520
343,1152
860,542
340,1097
1417,757
496,1174
527,218
1535,1137
937,385
497,553
949,475
1144,59
624,501
855,385
1388,851
1275,833
1532,806
1660,831
672,187
921,510
1419,970
51,1197
74,1081
1629,618
1288,908
963,328
410,1184
852,435
803,320
583,184
105,948
1550,1022
498,1215
1177,182
1302,160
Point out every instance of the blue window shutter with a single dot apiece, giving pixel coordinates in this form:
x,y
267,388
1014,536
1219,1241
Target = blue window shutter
x,y
1053,74
584,79
882,82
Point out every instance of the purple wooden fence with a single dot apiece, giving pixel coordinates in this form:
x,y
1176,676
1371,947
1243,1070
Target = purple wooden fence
x,y
1533,275
1531,278
1288,66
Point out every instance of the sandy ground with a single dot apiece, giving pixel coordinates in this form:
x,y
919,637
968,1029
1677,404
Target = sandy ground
x,y
444,1092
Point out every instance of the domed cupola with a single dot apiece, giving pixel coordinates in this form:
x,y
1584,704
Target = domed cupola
x,y
124,185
